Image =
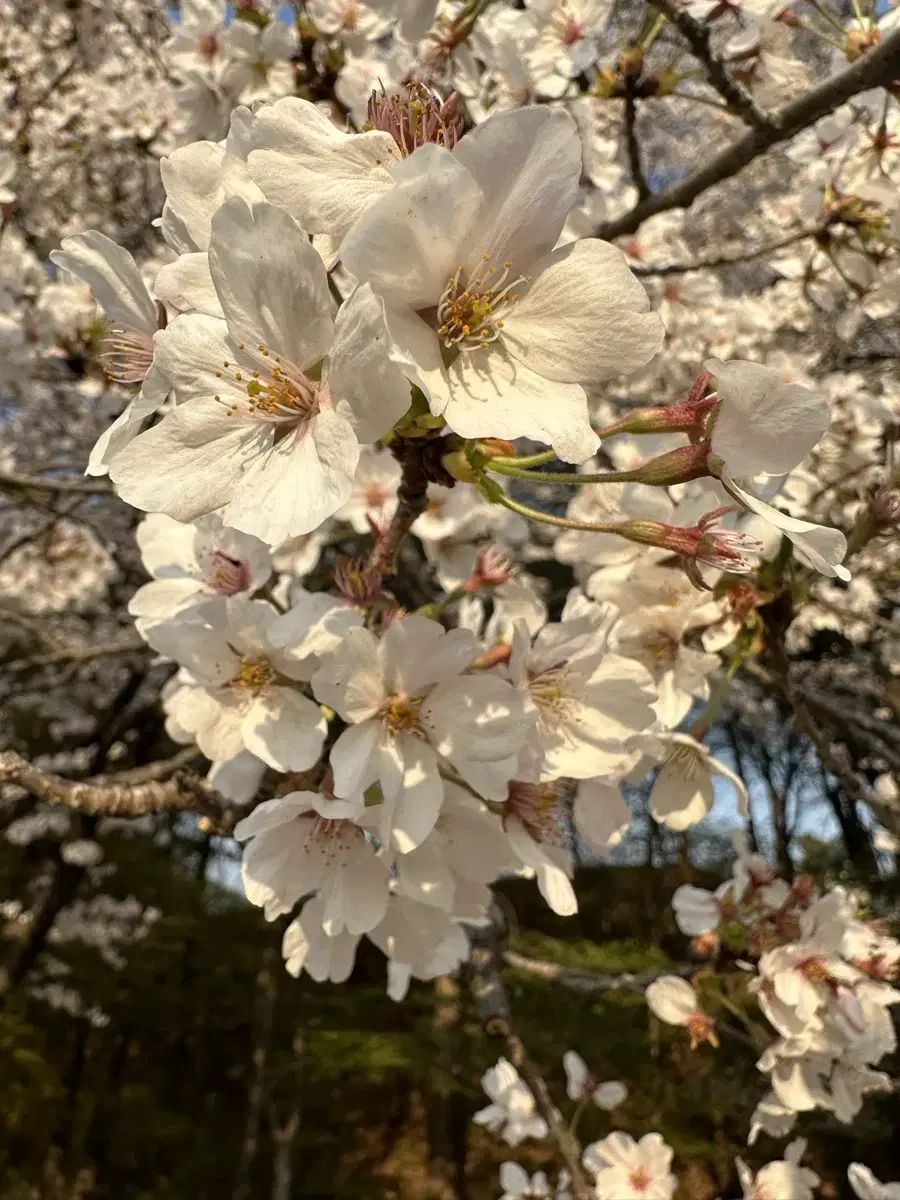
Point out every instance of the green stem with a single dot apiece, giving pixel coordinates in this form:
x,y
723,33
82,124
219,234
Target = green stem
x,y
576,1116
534,514
437,607
567,477
531,460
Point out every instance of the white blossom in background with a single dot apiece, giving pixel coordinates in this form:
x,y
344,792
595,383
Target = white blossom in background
x,y
582,1085
624,1169
867,1187
512,1112
674,1001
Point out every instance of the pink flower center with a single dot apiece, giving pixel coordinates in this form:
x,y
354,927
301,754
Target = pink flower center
x,y
126,354
227,576
538,807
640,1179
278,392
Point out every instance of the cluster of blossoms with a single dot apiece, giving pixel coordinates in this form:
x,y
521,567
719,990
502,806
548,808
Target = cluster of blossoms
x,y
373,271
822,976
356,327
618,1167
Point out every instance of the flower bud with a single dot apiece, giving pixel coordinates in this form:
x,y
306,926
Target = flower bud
x,y
492,568
673,418
677,466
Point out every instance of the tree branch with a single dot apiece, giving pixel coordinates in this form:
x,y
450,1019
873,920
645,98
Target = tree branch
x,y
696,34
725,260
632,146
183,792
879,67
588,981
12,482
132,645
416,457
492,1005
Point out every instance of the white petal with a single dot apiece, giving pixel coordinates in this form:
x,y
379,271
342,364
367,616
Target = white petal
x,y
112,275
672,999
763,424
360,370
407,244
291,488
187,284
189,464
527,164
487,393
271,283
285,730
683,792
353,759
322,176
817,546
601,815
192,176
585,318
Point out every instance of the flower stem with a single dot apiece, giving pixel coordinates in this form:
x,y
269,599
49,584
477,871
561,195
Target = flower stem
x,y
530,460
437,607
565,477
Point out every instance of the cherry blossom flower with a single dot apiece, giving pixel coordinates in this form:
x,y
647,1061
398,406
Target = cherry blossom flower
x,y
194,564
304,842
763,424
512,1112
586,702
517,1184
582,1085
242,695
254,431
129,347
867,1187
674,1001
683,792
410,709
781,1180
483,314
307,947
624,1169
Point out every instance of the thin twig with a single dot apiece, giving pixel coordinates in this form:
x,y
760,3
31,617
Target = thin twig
x,y
696,34
32,483
131,645
632,146
726,259
876,68
588,981
492,1005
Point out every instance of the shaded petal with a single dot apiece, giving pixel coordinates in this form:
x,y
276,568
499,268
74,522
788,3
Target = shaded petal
x,y
817,546
291,487
490,394
271,282
407,244
763,423
285,729
187,284
113,277
360,371
353,759
189,464
527,164
322,176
